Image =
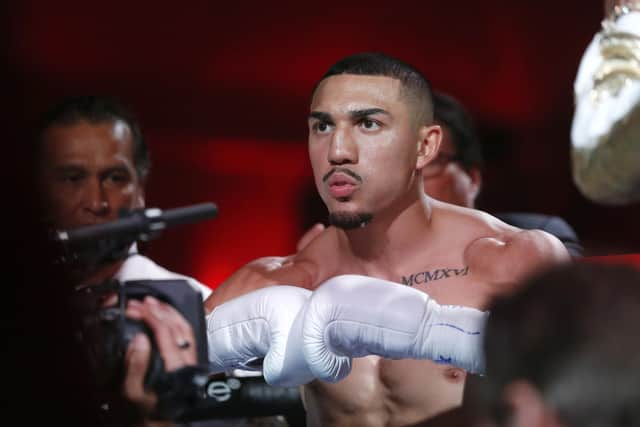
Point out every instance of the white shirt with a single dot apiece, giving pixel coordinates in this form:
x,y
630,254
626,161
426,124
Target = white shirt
x,y
139,267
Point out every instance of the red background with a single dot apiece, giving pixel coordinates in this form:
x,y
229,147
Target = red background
x,y
222,92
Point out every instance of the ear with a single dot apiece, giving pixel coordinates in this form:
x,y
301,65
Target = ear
x,y
476,181
139,201
428,144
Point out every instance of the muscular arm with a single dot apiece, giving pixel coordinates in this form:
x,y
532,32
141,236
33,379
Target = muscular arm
x,y
290,270
299,269
505,261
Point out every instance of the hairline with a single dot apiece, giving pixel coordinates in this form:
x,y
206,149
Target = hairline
x,y
78,118
404,91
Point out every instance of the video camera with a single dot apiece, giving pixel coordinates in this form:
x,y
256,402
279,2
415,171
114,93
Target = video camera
x,y
105,332
187,394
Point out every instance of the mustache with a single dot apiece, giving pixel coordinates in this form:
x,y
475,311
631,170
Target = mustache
x,y
346,171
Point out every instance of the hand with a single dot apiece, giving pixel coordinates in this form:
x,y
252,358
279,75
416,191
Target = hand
x,y
352,316
175,341
263,325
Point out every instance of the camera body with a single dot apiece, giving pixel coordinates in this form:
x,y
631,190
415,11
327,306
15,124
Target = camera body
x,y
105,334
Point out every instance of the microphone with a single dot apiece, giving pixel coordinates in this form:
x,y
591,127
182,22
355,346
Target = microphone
x,y
139,222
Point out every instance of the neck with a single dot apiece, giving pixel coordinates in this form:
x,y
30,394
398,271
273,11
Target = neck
x,y
392,231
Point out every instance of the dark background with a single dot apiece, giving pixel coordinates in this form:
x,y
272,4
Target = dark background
x,y
222,92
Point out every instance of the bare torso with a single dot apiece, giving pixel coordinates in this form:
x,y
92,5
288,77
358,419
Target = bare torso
x,y
381,392
434,259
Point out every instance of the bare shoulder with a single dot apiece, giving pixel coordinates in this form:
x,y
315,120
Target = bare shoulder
x,y
507,255
322,254
260,273
304,269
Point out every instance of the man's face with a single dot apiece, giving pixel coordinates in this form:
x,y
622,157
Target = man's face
x,y
363,144
88,173
447,180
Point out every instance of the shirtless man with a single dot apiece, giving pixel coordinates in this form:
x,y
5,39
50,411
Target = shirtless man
x,y
370,133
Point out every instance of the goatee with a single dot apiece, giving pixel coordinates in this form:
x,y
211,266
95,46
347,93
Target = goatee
x,y
349,221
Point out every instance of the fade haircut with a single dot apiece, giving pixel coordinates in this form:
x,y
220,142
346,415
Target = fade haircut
x,y
449,112
414,85
96,110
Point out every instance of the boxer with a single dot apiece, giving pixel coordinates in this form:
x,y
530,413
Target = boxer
x,y
371,132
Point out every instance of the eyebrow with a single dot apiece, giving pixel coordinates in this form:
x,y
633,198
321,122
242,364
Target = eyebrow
x,y
361,114
355,115
68,168
116,169
323,117
71,168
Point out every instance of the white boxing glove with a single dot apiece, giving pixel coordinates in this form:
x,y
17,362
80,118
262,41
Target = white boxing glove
x,y
266,323
353,316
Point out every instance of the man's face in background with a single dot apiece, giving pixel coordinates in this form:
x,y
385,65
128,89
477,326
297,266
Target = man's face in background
x,y
87,173
447,180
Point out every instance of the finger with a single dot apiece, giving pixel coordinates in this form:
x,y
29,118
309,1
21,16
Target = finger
x,y
109,300
170,329
182,335
136,364
134,309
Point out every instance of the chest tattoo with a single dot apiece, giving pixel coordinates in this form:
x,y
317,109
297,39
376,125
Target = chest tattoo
x,y
430,276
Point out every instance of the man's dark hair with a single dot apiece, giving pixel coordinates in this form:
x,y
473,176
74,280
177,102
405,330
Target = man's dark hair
x,y
573,334
99,109
414,83
449,112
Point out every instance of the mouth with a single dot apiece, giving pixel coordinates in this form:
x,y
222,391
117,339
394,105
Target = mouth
x,y
342,191
341,185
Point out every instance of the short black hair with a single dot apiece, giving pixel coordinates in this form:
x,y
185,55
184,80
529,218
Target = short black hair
x,y
449,112
99,109
414,83
572,332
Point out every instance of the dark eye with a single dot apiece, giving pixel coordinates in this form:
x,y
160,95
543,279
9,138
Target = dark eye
x,y
72,177
369,124
322,127
118,177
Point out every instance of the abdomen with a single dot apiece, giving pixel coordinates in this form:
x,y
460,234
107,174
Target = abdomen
x,y
381,392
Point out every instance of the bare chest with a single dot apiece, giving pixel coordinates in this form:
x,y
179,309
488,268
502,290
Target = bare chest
x,y
381,392
448,280
448,283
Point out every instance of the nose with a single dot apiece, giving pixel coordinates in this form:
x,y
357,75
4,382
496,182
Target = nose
x,y
96,201
343,148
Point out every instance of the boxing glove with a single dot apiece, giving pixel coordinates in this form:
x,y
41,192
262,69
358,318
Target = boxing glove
x,y
353,316
263,324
